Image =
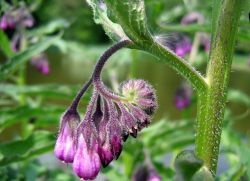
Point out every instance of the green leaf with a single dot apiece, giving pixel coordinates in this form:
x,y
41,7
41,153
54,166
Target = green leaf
x,y
5,44
131,15
51,27
113,30
38,143
49,90
12,116
24,56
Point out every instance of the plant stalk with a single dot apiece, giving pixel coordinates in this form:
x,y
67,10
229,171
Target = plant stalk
x,y
211,104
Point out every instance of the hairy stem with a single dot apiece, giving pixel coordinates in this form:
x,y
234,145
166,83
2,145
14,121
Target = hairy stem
x,y
99,65
77,99
211,105
95,78
177,63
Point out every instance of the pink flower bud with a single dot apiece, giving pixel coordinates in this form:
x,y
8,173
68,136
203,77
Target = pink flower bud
x,y
140,93
65,147
87,162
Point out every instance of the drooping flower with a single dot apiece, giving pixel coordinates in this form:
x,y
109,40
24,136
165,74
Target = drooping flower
x,y
178,43
87,162
65,145
146,173
110,118
182,98
20,17
41,63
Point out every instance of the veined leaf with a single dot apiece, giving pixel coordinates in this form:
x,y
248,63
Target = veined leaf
x,y
131,15
19,150
113,30
24,56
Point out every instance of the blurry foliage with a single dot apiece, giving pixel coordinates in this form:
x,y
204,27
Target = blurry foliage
x,y
78,14
69,26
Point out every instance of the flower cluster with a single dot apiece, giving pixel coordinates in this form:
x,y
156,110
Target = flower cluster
x,y
109,119
18,19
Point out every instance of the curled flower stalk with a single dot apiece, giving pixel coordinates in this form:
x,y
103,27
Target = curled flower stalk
x,y
109,120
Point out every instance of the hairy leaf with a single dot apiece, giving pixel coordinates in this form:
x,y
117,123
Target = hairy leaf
x,y
113,30
130,14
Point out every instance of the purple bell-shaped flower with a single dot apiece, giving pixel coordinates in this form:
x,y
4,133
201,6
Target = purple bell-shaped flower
x,y
65,145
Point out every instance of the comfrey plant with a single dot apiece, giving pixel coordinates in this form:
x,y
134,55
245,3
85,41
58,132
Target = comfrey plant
x,y
110,118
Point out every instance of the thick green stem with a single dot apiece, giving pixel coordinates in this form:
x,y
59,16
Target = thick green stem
x,y
211,105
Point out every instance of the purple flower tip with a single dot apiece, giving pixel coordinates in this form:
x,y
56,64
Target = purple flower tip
x,y
3,23
65,145
153,175
146,173
182,97
105,154
87,163
41,63
178,43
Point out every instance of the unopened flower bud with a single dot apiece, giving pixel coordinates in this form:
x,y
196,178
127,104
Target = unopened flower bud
x,y
146,174
41,63
87,163
182,97
141,94
178,43
65,147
